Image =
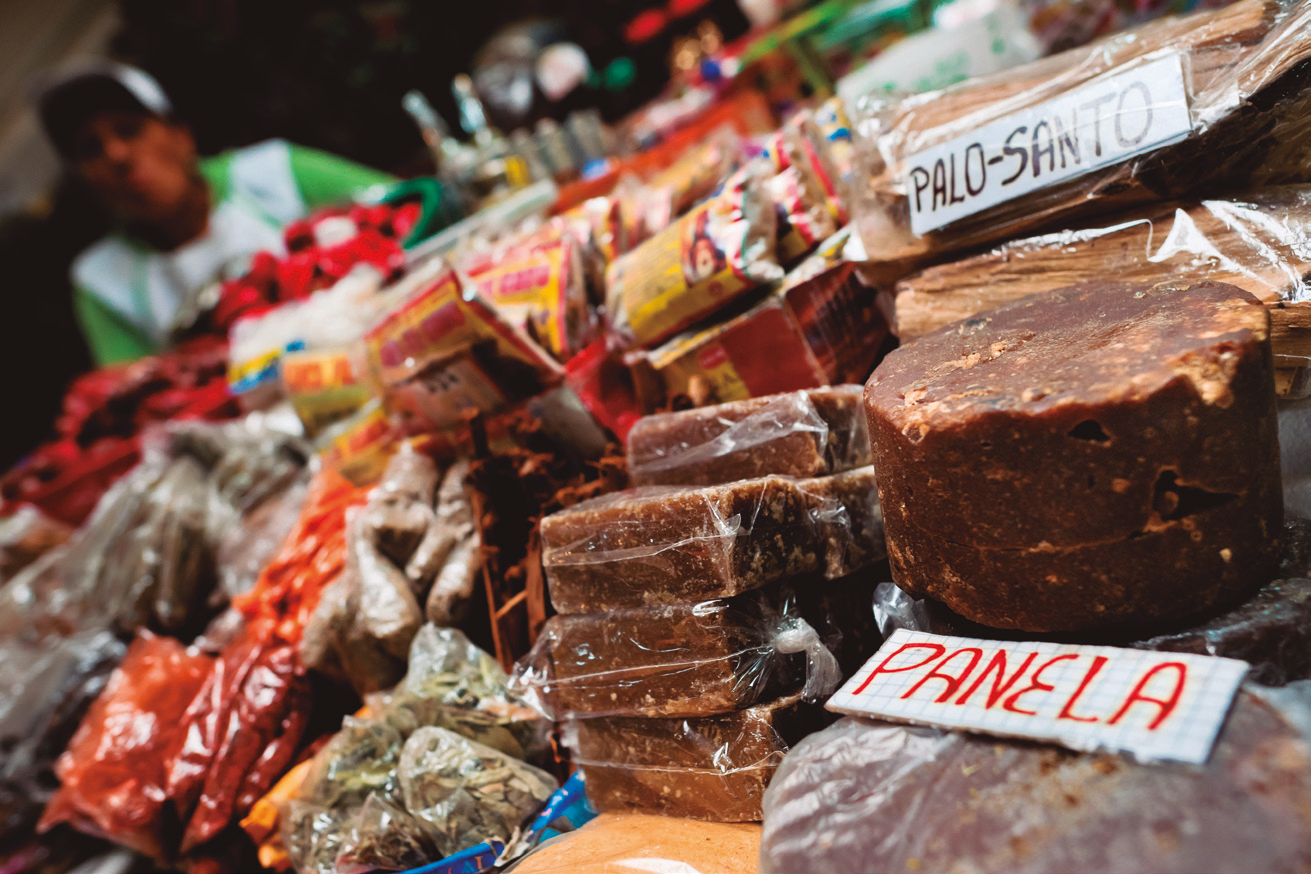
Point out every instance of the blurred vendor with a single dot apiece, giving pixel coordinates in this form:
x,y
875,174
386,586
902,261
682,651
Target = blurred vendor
x,y
183,222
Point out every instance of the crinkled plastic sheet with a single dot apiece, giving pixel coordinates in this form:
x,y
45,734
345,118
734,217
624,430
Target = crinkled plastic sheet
x,y
864,795
668,545
692,660
1247,99
802,433
25,536
147,556
1257,240
711,768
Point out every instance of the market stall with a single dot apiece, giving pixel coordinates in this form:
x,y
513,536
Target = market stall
x,y
888,482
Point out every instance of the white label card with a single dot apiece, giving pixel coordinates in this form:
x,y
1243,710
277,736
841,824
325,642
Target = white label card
x,y
1095,125
1155,705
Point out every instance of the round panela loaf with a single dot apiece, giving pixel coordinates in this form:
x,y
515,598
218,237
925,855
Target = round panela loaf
x,y
1098,457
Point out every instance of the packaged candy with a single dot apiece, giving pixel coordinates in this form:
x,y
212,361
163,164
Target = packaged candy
x,y
719,250
821,327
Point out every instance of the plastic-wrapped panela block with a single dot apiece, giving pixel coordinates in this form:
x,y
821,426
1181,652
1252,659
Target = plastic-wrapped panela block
x,y
872,796
694,660
664,545
711,768
803,433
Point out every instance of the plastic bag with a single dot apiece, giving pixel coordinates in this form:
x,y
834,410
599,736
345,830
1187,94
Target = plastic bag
x,y
249,546
721,249
669,545
637,844
699,170
45,689
694,660
467,792
453,684
1216,98
385,837
865,795
114,774
804,433
26,536
711,768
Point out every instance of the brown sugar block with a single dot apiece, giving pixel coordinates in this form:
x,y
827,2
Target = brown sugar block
x,y
712,768
1029,456
694,660
870,796
803,433
678,546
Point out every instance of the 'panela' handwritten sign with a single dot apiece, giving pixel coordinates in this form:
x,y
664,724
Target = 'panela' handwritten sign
x,y
1156,705
1097,124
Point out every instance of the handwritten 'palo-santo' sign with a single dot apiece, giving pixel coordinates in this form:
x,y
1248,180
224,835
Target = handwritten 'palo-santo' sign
x,y
1103,122
1154,705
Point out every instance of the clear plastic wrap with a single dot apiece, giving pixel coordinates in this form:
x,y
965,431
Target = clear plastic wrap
x,y
639,844
695,660
804,433
247,548
721,249
711,768
467,792
670,545
1221,100
1256,241
385,837
699,170
865,795
25,536
45,688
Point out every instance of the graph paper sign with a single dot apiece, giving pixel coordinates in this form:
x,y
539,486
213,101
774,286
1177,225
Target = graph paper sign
x,y
1155,705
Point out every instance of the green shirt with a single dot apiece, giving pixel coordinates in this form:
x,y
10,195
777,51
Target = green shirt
x,y
125,293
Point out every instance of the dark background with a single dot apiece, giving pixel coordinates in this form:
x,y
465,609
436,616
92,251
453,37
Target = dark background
x,y
323,73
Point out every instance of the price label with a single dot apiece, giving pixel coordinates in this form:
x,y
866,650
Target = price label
x,y
1156,705
1100,123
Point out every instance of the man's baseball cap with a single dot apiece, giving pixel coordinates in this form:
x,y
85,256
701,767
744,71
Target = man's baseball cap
x,y
69,98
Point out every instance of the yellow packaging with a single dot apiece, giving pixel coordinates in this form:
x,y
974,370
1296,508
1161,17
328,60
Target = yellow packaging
x,y
720,249
323,386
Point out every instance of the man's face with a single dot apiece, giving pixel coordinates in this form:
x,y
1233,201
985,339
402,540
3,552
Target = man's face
x,y
140,167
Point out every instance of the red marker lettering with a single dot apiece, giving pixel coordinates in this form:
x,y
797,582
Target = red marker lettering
x,y
953,683
1036,686
1167,705
999,688
1067,712
938,649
